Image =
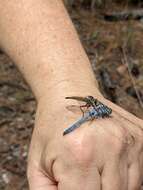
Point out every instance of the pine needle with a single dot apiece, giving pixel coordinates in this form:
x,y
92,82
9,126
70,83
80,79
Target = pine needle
x,y
126,61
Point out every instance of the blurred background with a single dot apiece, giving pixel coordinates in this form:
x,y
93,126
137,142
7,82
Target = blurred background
x,y
111,32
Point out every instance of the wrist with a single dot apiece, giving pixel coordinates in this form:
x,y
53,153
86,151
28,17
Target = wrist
x,y
56,93
58,112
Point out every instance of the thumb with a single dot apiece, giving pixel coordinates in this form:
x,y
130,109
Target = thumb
x,y
39,181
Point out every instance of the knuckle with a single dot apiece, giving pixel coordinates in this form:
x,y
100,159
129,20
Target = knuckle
x,y
81,148
116,142
139,138
141,135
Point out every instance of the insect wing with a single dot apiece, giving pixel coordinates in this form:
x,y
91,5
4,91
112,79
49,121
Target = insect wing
x,y
83,99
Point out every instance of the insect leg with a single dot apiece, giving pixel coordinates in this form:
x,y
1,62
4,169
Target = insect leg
x,y
83,106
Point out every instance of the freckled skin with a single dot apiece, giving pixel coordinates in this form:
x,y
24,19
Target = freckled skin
x,y
39,37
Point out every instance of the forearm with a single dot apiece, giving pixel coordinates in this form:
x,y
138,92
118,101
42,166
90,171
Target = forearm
x,y
40,39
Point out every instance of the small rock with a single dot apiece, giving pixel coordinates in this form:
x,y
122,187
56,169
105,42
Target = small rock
x,y
6,177
122,69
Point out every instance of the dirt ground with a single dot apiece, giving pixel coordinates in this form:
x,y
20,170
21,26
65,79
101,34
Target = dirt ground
x,y
115,50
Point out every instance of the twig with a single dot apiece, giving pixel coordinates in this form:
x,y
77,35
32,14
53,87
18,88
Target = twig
x,y
124,15
132,78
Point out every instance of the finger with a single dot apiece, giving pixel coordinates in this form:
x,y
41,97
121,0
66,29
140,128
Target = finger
x,y
39,181
131,131
141,165
135,178
114,176
87,181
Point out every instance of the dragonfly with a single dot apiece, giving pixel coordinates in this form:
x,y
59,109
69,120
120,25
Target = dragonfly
x,y
89,115
96,110
90,101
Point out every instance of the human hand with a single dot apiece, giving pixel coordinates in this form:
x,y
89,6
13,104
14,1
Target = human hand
x,y
106,154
